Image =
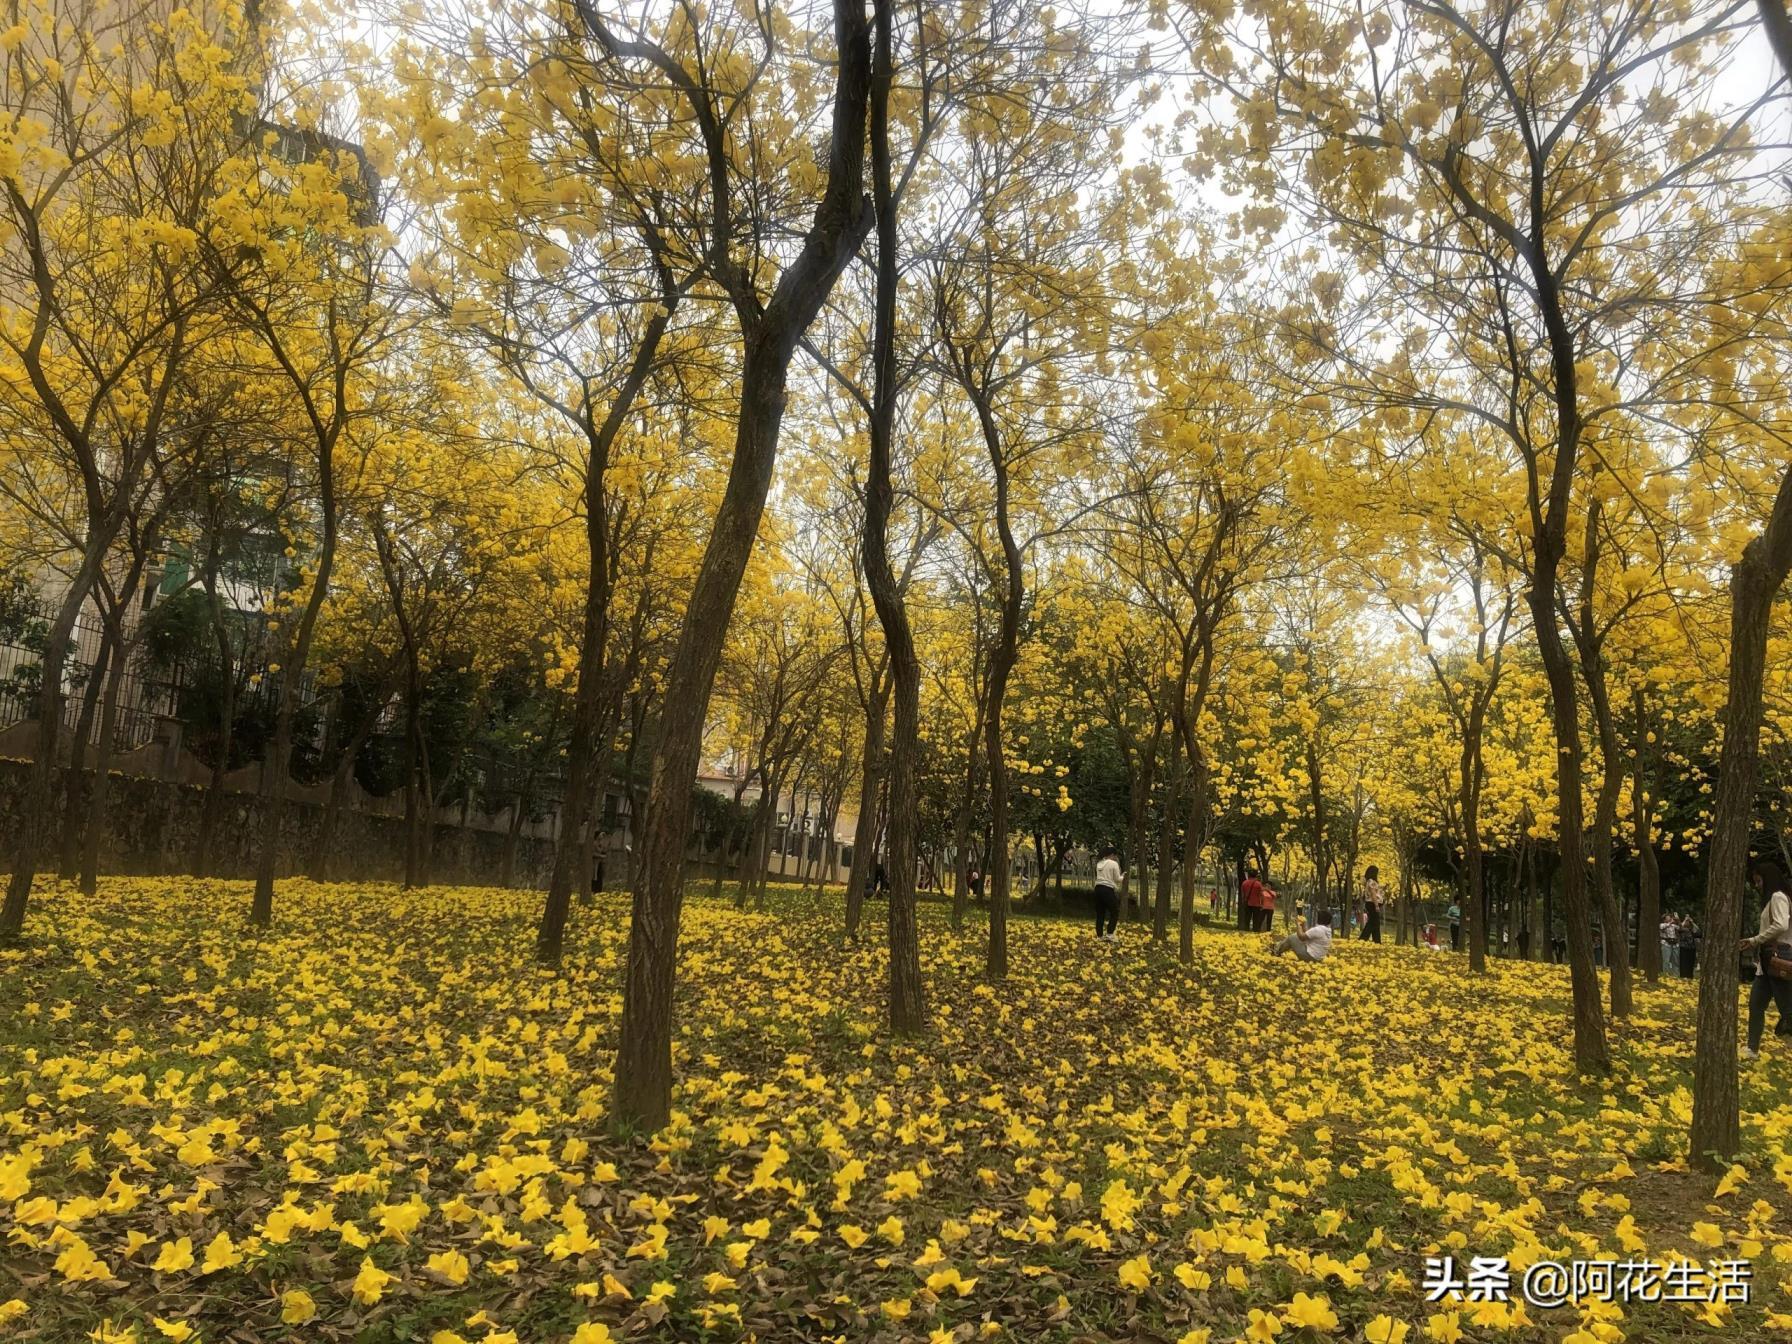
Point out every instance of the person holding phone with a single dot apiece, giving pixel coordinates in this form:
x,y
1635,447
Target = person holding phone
x,y
1769,940
1309,942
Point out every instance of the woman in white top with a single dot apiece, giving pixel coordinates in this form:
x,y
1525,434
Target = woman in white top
x,y
1107,895
1774,933
1309,942
1371,904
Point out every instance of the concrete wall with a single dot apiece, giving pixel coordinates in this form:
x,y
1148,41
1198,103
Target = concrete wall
x,y
153,828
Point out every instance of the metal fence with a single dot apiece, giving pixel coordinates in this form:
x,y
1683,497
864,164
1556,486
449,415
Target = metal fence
x,y
145,699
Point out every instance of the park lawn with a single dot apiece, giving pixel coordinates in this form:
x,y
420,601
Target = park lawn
x,y
379,1122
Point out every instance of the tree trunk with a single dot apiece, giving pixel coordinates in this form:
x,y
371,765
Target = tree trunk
x,y
1138,803
1591,1053
1648,870
961,832
1605,822
761,872
413,780
513,834
1532,908
101,793
1474,908
1166,843
75,790
272,806
1193,841
643,1073
273,801
864,831
1001,663
1754,583
1321,847
907,1013
322,869
34,816
212,809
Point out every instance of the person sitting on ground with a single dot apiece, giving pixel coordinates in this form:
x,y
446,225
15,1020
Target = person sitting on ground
x,y
1429,942
1107,895
1309,942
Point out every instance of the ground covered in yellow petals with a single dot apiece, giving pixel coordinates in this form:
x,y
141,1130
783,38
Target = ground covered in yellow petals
x,y
379,1123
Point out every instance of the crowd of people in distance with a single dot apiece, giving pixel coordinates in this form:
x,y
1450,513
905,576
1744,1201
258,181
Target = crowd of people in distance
x,y
1769,949
1679,945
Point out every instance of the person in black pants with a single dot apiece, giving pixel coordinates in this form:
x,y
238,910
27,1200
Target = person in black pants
x,y
1107,895
1266,913
1770,942
1371,904
1688,947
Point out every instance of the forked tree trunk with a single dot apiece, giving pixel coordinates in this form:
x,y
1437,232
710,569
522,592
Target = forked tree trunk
x,y
1549,546
643,1073
583,770
1591,1053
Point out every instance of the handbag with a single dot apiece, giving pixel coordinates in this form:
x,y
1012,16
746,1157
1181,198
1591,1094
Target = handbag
x,y
1777,960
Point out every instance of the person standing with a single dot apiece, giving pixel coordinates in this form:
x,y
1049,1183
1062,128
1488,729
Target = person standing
x,y
1250,895
1771,940
1455,916
1688,947
1372,904
1670,940
1107,895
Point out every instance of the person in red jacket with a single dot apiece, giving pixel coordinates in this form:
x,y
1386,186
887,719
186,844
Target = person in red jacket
x,y
1257,899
